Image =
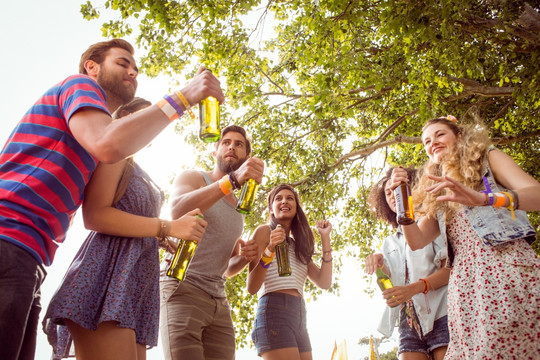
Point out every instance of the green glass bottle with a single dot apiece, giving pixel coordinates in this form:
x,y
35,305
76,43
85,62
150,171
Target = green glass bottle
x,y
182,258
247,196
404,205
209,130
282,258
383,280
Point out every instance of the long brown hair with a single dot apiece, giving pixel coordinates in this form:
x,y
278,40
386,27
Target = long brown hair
x,y
377,197
304,244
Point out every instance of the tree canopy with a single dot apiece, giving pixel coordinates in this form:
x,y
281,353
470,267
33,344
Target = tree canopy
x,y
333,91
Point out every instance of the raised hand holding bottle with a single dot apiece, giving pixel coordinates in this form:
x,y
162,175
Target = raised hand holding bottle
x,y
209,118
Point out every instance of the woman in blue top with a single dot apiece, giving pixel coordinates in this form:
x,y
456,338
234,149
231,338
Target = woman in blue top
x,y
108,301
418,299
494,287
280,330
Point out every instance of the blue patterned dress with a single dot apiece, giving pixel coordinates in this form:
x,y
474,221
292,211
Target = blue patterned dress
x,y
112,278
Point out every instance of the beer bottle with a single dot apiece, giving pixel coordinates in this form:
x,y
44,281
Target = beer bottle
x,y
282,258
209,130
383,280
182,258
247,196
404,205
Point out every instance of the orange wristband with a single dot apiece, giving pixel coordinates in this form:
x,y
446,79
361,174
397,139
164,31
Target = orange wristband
x,y
500,200
225,185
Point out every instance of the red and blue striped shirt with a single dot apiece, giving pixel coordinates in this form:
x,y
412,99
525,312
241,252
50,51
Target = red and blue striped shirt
x,y
44,170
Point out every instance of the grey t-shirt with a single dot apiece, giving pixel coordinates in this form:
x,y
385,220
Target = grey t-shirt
x,y
211,258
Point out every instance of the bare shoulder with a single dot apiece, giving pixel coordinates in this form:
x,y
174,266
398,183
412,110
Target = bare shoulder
x,y
189,178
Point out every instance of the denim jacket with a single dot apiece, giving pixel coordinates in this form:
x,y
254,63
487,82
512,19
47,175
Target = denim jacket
x,y
493,225
420,263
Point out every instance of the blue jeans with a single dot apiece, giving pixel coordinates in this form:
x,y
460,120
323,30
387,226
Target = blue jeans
x,y
410,341
20,279
280,323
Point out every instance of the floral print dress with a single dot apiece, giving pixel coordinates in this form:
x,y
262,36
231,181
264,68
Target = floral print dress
x,y
493,297
112,278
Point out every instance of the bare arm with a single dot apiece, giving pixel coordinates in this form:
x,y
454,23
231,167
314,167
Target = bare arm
x,y
99,214
257,273
322,277
111,141
243,253
190,191
400,294
511,176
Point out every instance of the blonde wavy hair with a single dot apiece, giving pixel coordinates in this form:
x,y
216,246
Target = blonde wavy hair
x,y
466,163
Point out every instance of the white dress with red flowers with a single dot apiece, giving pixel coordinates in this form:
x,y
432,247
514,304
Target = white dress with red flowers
x,y
493,297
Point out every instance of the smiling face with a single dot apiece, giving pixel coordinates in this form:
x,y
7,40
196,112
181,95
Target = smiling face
x,y
438,140
284,205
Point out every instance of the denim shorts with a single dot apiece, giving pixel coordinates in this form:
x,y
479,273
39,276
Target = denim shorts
x,y
409,341
280,322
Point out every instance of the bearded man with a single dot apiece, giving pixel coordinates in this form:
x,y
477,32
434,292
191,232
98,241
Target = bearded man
x,y
195,318
50,157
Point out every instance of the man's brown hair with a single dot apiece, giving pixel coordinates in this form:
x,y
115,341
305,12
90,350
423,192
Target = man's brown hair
x,y
98,51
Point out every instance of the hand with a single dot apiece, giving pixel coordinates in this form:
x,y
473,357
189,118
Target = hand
x,y
203,85
373,262
249,250
252,168
399,294
189,226
399,175
323,227
458,192
277,236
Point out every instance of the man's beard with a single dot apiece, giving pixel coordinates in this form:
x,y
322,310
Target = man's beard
x,y
115,88
228,167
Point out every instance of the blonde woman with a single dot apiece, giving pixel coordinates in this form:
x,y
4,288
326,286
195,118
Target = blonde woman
x,y
481,196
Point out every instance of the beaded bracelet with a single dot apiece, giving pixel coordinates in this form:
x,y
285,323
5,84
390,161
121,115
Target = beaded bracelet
x,y
186,104
234,181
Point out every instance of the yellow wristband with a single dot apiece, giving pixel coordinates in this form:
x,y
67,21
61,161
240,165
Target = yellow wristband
x,y
186,104
511,205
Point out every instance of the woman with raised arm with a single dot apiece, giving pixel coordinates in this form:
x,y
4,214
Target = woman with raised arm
x,y
280,330
417,300
480,195
107,305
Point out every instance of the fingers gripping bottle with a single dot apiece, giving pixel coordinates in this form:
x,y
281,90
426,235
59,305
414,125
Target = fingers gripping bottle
x,y
182,258
282,258
383,280
404,204
209,130
247,196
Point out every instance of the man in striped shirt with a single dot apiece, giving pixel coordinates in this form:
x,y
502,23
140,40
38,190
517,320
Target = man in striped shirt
x,y
48,160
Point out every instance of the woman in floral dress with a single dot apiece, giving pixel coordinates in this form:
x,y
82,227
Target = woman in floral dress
x,y
475,191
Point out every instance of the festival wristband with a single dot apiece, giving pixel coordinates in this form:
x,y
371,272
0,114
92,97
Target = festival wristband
x,y
268,253
225,185
174,104
167,109
186,104
263,264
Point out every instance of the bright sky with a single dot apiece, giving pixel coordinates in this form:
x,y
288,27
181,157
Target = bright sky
x,y
42,43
